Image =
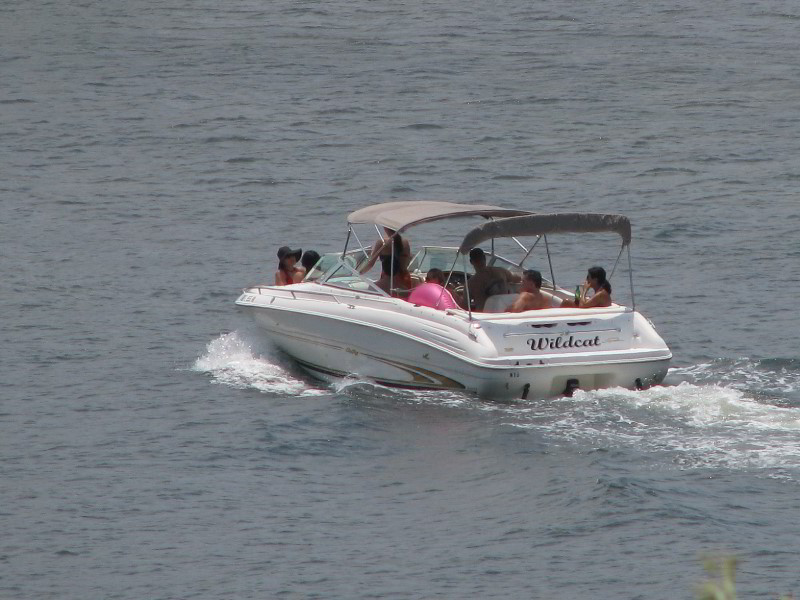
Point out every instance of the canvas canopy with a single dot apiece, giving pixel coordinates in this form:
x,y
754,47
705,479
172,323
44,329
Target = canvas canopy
x,y
529,225
402,215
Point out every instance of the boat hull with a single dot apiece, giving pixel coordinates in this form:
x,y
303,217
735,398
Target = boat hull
x,y
420,348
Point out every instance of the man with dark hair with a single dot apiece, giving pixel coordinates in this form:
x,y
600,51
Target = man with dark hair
x,y
530,296
487,281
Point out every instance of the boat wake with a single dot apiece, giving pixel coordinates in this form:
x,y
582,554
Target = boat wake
x,y
362,389
233,360
236,360
738,414
775,379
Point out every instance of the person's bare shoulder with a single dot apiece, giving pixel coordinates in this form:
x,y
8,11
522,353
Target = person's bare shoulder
x,y
522,303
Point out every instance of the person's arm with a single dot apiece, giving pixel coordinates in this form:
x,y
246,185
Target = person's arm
x,y
581,301
280,278
474,285
600,300
377,248
519,305
299,274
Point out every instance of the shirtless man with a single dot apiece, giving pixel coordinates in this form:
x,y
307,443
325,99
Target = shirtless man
x,y
530,296
486,278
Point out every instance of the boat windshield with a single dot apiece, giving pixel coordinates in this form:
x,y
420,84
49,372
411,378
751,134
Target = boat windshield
x,y
343,273
354,259
437,257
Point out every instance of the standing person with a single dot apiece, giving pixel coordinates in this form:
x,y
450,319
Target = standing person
x,y
530,296
433,293
394,278
288,272
487,281
391,243
597,282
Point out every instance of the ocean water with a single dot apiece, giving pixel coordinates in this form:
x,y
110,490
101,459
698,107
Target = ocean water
x,y
155,156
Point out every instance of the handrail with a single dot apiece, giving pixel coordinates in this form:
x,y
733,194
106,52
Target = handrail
x,y
357,294
630,278
528,253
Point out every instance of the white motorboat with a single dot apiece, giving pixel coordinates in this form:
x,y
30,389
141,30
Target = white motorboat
x,y
338,323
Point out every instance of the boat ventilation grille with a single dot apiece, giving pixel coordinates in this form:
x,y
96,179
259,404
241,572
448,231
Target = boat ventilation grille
x,y
550,325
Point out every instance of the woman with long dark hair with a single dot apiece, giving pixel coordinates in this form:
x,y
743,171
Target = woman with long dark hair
x,y
596,281
392,243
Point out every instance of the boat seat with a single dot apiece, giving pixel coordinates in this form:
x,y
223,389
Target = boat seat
x,y
500,302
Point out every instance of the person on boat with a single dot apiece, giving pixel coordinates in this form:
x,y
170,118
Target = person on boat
x,y
433,293
288,272
487,281
597,282
530,296
394,279
391,243
310,258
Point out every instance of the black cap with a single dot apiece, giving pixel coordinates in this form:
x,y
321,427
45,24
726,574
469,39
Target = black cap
x,y
285,251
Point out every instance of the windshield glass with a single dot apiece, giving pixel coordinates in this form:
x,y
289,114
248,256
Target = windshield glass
x,y
342,275
436,257
433,257
354,258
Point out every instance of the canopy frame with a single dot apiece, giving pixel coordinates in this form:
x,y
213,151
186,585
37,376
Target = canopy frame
x,y
399,216
542,224
501,223
531,225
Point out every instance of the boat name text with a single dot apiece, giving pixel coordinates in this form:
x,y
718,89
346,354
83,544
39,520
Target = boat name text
x,y
556,343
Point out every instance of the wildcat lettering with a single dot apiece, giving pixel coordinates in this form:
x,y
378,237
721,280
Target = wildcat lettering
x,y
556,343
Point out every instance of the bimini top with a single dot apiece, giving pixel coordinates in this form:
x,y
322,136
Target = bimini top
x,y
401,215
544,224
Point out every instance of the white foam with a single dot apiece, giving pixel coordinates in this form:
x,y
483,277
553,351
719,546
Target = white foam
x,y
699,425
231,360
703,406
356,386
777,377
715,424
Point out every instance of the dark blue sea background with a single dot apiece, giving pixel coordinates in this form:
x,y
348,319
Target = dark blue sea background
x,y
155,155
